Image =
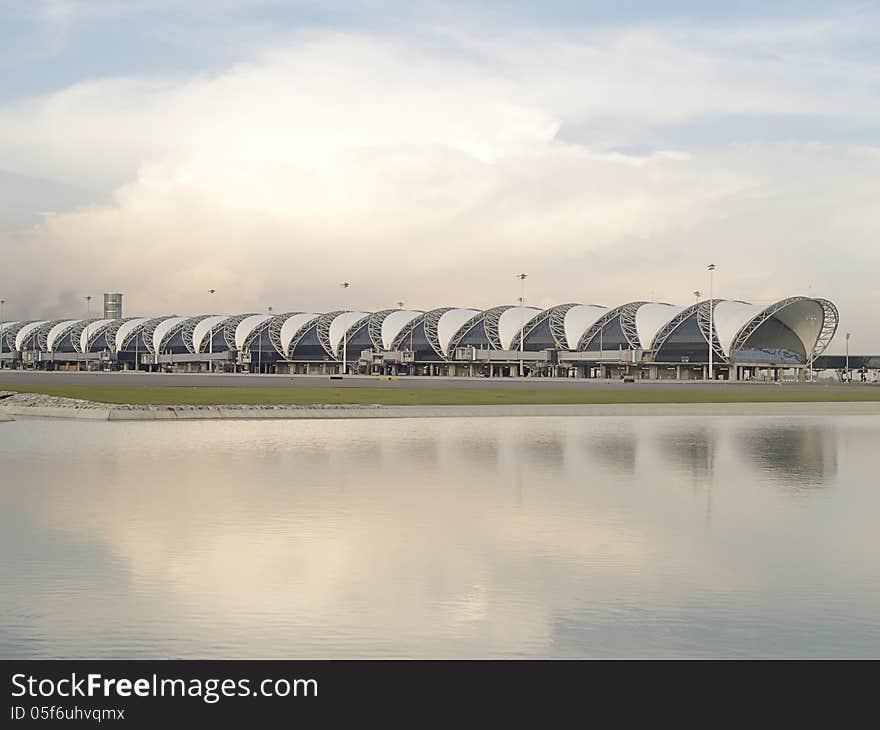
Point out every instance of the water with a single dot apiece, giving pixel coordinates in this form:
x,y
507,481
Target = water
x,y
483,537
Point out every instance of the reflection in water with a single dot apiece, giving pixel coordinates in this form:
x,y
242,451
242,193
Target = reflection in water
x,y
444,537
800,457
615,449
691,448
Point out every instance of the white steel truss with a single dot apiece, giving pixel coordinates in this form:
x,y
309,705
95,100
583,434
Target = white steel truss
x,y
95,332
276,321
556,315
323,329
407,330
829,324
300,333
60,338
188,330
627,315
374,327
111,328
701,311
531,324
490,324
145,329
465,329
42,334
431,320
229,327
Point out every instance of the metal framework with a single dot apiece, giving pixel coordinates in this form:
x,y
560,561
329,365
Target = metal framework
x,y
189,329
42,333
261,328
701,310
355,328
406,331
323,328
300,333
77,330
556,315
432,319
375,327
108,328
60,338
142,329
173,332
627,315
536,321
465,329
112,328
829,324
490,320
229,327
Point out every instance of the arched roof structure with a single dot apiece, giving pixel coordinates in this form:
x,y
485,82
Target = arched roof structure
x,y
802,324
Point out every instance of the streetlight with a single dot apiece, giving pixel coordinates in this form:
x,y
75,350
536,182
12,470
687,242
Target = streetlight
x,y
345,285
698,294
88,299
211,336
2,302
711,268
522,320
848,378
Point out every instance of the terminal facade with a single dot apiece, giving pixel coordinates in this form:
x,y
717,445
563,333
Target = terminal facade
x,y
641,339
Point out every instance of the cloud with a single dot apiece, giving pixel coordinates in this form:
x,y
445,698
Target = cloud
x,y
433,173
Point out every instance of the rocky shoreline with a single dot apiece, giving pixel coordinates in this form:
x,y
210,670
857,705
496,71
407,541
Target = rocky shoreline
x,y
13,405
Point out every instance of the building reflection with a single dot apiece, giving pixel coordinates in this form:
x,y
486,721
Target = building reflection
x,y
799,456
691,449
615,450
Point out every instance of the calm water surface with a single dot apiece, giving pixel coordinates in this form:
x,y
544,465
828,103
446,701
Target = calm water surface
x,y
483,537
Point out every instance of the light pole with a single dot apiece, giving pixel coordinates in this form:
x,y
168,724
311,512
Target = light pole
x,y
522,320
848,379
211,292
711,268
345,285
2,337
88,299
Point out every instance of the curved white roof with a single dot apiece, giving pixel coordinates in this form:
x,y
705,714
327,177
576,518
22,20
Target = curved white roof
x,y
90,330
805,318
394,323
204,327
163,328
512,321
126,328
340,325
578,320
650,319
56,331
26,331
292,325
730,317
450,323
246,327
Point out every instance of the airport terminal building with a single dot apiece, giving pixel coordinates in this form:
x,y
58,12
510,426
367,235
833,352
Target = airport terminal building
x,y
643,339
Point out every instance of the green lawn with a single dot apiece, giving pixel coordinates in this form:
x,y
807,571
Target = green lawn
x,y
299,395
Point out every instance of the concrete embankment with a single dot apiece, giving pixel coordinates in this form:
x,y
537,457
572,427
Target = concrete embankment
x,y
43,406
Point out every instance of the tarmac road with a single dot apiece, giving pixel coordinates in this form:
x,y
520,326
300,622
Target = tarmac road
x,y
25,378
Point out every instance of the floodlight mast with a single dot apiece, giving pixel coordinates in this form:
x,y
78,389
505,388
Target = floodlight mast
x,y
522,320
211,337
711,268
345,285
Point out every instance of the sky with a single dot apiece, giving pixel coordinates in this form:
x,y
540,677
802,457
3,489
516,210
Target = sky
x,y
429,152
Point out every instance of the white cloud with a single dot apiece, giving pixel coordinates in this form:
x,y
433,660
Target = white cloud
x,y
433,177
